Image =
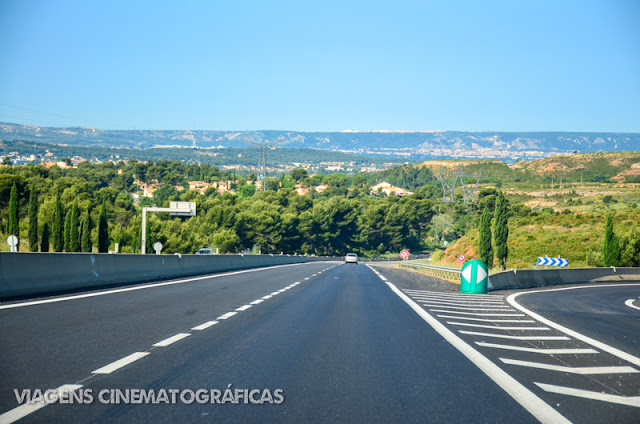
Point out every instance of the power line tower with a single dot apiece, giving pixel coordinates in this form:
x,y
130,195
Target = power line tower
x,y
448,179
263,146
470,191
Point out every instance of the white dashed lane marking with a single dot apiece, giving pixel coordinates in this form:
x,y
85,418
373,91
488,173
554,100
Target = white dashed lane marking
x,y
108,369
26,409
205,325
172,339
23,410
243,308
227,315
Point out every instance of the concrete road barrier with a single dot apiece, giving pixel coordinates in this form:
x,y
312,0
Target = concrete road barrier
x,y
528,278
30,274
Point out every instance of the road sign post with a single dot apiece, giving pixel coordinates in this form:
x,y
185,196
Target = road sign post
x,y
13,243
474,277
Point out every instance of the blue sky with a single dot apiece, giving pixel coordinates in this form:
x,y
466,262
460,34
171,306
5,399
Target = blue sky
x,y
322,66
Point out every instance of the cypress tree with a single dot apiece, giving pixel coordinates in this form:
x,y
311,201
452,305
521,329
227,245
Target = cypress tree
x,y
44,242
14,220
74,233
33,220
58,226
67,231
103,230
485,250
611,245
501,230
85,237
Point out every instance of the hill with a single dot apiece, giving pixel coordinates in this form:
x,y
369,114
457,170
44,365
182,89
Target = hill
x,y
509,146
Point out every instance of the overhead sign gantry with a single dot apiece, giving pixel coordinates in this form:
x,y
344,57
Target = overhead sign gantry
x,y
175,209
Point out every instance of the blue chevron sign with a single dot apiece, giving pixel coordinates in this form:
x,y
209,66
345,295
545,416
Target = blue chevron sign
x,y
545,260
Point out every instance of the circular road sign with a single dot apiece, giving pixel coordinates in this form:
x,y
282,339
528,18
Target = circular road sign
x,y
462,257
157,247
474,277
404,254
12,241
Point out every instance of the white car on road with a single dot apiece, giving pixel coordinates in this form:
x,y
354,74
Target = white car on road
x,y
351,258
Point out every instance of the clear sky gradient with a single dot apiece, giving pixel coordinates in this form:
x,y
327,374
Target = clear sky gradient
x,y
322,65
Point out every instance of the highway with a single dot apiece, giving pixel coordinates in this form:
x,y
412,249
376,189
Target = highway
x,y
316,342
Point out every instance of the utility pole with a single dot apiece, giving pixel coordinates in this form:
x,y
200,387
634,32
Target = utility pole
x,y
263,145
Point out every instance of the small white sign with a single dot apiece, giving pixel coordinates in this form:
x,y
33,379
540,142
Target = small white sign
x,y
157,247
13,243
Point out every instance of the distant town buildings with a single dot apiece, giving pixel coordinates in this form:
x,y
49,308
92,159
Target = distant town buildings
x,y
389,189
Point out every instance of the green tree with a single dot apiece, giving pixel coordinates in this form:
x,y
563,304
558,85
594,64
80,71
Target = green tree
x,y
33,220
501,230
14,220
74,234
58,225
85,236
485,250
67,231
103,230
298,174
44,241
630,248
611,246
226,240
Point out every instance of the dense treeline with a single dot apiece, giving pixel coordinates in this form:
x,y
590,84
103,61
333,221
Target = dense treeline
x,y
345,217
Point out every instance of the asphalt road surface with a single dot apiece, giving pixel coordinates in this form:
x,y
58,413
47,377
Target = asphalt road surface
x,y
318,342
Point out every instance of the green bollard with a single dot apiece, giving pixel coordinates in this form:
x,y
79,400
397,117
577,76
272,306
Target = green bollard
x,y
474,277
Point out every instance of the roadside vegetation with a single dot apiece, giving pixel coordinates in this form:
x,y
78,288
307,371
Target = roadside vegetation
x,y
539,214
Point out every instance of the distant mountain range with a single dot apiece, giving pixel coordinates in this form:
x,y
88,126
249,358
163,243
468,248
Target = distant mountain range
x,y
413,145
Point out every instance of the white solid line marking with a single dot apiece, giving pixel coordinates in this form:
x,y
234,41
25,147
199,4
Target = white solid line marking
x,y
525,397
269,296
630,304
243,308
599,345
23,410
458,302
144,287
496,327
536,350
586,394
108,369
487,320
504,336
172,339
227,315
572,370
255,302
477,314
473,308
205,325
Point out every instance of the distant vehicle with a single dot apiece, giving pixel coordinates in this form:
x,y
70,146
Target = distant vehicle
x,y
351,258
204,251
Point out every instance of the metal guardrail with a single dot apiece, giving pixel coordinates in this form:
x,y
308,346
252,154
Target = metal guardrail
x,y
446,272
